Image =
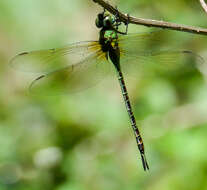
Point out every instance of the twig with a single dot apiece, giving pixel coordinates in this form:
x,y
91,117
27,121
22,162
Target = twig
x,y
151,23
204,6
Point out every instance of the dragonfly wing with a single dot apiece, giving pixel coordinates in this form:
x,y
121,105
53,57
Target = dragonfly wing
x,y
44,61
136,57
68,69
142,40
73,78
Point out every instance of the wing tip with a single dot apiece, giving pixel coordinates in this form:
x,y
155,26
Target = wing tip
x,y
33,82
23,53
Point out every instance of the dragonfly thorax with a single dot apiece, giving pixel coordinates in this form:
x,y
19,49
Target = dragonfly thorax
x,y
109,44
110,36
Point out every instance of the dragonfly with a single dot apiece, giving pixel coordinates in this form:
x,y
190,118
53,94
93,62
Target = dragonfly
x,y
82,64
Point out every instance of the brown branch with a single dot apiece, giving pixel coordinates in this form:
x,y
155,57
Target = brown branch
x,y
151,23
204,6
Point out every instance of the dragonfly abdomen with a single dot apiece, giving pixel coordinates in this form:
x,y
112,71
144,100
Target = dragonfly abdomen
x,y
139,141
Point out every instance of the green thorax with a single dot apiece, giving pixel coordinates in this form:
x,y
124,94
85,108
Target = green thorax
x,y
110,45
110,36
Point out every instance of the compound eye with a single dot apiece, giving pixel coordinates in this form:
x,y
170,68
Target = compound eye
x,y
107,21
100,16
99,20
99,24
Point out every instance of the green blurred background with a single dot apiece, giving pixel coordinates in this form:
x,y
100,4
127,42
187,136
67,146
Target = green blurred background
x,y
84,141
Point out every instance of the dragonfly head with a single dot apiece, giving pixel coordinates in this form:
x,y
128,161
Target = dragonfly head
x,y
105,19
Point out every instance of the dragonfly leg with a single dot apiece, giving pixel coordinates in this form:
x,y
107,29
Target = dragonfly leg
x,y
139,141
127,24
118,22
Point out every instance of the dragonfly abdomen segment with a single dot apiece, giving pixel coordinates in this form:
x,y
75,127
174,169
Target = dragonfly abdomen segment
x,y
139,141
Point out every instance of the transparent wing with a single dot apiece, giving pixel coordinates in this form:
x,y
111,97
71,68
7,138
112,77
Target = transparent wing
x,y
135,55
143,40
73,78
68,69
43,61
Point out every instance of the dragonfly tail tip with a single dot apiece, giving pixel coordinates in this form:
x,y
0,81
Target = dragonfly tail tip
x,y
144,162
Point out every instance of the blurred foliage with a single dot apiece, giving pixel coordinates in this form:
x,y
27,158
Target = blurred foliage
x,y
84,140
